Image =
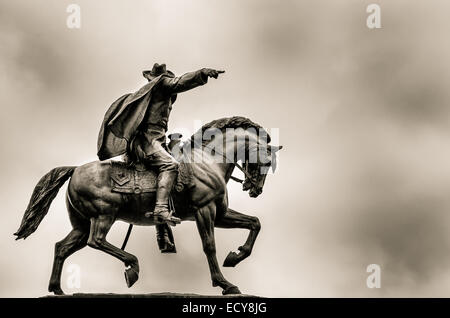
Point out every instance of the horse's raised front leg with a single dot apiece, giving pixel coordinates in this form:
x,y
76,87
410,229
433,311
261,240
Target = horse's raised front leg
x,y
97,239
233,219
204,218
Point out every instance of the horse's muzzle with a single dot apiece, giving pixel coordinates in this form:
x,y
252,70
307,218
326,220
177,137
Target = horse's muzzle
x,y
255,192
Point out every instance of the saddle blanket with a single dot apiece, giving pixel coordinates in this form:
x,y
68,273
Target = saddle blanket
x,y
136,179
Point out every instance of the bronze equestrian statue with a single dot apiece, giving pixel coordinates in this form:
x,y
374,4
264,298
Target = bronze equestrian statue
x,y
101,192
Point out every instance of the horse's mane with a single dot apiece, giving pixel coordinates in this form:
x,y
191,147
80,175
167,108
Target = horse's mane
x,y
231,122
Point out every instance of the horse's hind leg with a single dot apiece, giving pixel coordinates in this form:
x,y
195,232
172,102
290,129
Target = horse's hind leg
x,y
100,227
234,219
74,241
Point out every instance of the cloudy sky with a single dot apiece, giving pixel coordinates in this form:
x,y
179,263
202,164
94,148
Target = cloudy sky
x,y
363,116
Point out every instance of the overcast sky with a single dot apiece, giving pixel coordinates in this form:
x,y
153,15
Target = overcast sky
x,y
363,116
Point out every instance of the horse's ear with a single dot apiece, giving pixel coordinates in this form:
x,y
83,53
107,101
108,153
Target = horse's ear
x,y
276,148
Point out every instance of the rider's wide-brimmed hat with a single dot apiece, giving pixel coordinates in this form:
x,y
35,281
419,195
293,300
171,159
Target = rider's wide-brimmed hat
x,y
157,70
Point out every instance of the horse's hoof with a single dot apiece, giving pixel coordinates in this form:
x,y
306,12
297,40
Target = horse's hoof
x,y
169,248
56,290
231,290
131,276
231,260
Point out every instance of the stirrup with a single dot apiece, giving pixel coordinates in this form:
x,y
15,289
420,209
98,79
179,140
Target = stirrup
x,y
160,219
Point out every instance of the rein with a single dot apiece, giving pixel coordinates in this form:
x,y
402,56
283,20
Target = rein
x,y
249,177
236,179
246,174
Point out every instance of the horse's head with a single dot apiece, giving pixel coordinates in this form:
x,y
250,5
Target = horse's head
x,y
236,139
257,171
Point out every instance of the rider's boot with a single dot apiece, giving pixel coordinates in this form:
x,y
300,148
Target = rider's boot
x,y
162,214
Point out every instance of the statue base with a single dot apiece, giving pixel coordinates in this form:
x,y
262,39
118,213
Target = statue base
x,y
151,295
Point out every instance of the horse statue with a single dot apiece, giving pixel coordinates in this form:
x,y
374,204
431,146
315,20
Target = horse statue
x,y
94,206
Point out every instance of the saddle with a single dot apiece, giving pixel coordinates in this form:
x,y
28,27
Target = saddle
x,y
135,178
129,177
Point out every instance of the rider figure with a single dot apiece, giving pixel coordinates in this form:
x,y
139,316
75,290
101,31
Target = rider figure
x,y
148,132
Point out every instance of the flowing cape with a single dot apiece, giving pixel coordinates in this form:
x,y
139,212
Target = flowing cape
x,y
122,120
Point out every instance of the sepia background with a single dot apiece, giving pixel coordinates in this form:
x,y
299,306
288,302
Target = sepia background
x,y
362,114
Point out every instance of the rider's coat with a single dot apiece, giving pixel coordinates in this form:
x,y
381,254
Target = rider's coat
x,y
150,105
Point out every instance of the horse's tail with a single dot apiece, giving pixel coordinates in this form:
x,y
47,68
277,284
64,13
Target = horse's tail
x,y
43,195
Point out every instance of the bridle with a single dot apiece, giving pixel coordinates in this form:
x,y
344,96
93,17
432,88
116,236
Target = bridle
x,y
246,173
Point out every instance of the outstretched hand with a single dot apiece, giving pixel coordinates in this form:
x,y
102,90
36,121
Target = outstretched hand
x,y
211,72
